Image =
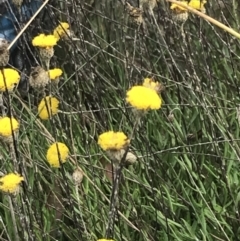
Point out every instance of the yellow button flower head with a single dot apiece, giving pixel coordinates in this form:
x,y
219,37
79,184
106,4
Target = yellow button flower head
x,y
55,73
44,41
9,78
10,183
112,140
143,98
55,152
196,4
6,127
45,44
48,107
61,30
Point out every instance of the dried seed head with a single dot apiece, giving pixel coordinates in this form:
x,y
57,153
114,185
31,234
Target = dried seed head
x,y
4,52
9,139
77,176
114,155
39,78
117,155
46,53
131,158
135,13
170,117
180,17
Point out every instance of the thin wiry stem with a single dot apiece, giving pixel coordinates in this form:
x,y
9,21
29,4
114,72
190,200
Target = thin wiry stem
x,y
115,189
14,223
80,211
2,105
4,228
13,156
1,95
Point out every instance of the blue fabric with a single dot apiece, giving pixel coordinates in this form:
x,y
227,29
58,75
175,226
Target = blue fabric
x,y
7,21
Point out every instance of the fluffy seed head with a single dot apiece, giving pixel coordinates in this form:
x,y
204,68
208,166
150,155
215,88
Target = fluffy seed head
x,y
39,78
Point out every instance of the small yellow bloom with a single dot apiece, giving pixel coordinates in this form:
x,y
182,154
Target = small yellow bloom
x,y
61,30
196,4
143,98
48,107
57,151
9,78
7,125
44,41
54,73
112,140
10,182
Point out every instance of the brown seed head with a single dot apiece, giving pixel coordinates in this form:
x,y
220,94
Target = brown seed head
x,y
77,176
180,17
39,78
4,52
116,156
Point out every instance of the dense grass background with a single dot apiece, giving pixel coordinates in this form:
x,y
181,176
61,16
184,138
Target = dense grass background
x,y
185,184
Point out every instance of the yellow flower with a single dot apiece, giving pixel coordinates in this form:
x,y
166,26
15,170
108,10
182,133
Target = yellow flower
x,y
9,78
10,182
143,98
55,152
48,107
61,30
112,140
6,127
44,41
54,73
196,4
